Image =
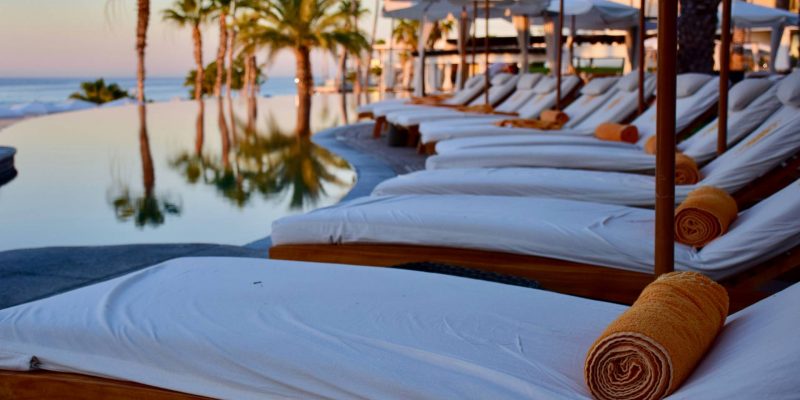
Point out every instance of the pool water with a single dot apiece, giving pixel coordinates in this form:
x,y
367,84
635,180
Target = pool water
x,y
167,173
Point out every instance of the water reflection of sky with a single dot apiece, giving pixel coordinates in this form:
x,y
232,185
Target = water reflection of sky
x,y
85,178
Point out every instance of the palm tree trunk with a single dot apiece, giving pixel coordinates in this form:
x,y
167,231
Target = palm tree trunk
x,y
224,133
368,67
148,171
343,71
229,67
357,87
252,108
696,32
305,81
198,59
142,20
199,128
223,44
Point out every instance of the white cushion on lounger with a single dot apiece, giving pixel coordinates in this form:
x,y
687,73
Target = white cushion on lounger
x,y
630,81
598,86
561,151
789,89
255,329
609,235
690,83
545,85
528,80
249,329
746,91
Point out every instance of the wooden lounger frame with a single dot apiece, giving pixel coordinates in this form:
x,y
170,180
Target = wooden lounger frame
x,y
585,280
38,385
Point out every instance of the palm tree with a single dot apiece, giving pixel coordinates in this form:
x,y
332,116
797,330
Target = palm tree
x,y
697,26
372,35
352,12
142,20
191,13
300,26
98,92
406,32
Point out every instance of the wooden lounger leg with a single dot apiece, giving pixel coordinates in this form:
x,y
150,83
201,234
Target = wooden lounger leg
x,y
413,136
377,129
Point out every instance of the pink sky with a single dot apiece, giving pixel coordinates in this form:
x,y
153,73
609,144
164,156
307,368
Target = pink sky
x,y
88,38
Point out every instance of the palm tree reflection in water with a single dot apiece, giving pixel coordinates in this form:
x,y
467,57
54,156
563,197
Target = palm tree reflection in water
x,y
271,163
149,208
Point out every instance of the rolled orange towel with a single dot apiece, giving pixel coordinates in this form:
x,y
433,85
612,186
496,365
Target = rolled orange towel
x,y
617,132
650,145
651,349
686,171
482,108
705,215
558,117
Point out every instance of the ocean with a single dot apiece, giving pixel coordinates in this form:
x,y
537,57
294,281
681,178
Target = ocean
x,y
53,90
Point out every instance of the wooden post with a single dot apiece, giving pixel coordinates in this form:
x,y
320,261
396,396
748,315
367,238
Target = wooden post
x,y
462,49
640,45
724,69
474,36
486,52
665,129
559,44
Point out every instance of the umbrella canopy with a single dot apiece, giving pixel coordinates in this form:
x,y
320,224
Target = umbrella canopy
x,y
746,15
594,14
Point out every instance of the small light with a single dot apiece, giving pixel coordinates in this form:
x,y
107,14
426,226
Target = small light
x,y
296,81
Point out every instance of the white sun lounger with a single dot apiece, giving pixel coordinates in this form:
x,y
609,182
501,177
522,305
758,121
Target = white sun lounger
x,y
471,83
544,99
607,155
461,98
702,92
253,329
775,141
526,90
599,234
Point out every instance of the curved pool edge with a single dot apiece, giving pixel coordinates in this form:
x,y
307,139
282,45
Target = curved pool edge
x,y
370,170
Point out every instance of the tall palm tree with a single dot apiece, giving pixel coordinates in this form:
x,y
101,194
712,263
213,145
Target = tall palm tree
x,y
142,20
697,26
192,13
372,35
300,26
352,11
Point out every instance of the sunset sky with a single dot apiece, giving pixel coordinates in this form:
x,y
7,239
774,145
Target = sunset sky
x,y
92,38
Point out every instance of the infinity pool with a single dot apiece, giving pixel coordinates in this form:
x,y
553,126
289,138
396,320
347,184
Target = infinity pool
x,y
167,173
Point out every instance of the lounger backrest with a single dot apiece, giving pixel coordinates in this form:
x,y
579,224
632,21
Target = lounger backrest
x,y
768,228
589,100
687,109
528,80
474,80
702,146
502,86
464,96
544,100
516,100
619,106
773,142
755,356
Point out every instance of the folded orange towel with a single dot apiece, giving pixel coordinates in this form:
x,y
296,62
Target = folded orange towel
x,y
650,145
651,349
686,171
430,99
705,215
617,132
482,108
528,123
558,117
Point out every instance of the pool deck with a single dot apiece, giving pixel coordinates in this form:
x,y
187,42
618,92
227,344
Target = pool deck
x,y
30,274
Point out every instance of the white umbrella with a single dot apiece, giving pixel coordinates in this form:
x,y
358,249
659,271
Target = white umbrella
x,y
31,108
746,15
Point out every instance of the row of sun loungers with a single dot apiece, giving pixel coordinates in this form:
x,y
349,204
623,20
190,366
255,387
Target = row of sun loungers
x,y
244,328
